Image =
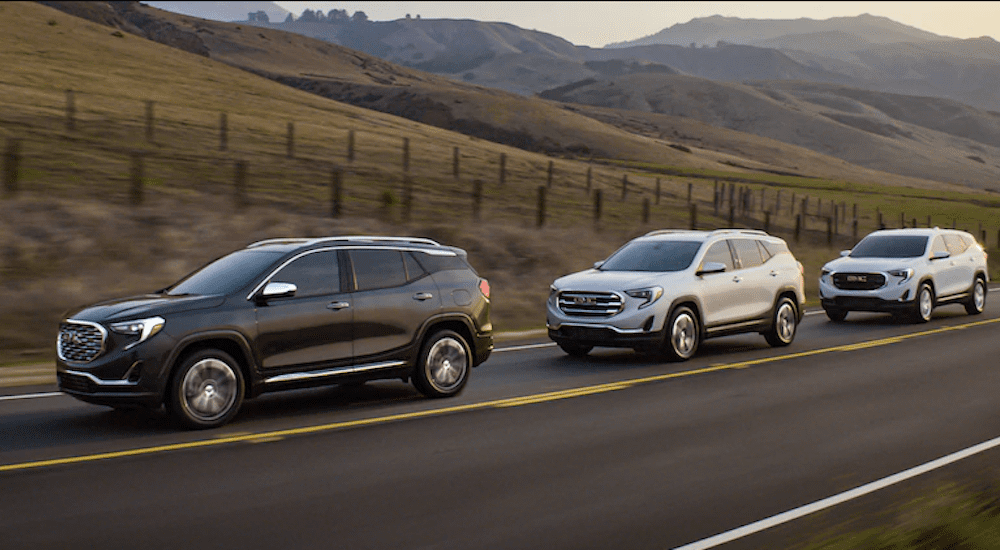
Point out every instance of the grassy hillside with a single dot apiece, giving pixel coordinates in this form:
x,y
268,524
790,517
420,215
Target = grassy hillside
x,y
70,233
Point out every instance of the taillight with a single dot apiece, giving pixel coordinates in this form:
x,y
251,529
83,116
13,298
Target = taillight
x,y
802,269
484,287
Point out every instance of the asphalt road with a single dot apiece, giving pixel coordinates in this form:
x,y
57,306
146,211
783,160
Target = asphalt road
x,y
540,451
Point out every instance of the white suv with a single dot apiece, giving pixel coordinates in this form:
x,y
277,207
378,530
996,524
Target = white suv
x,y
907,272
668,290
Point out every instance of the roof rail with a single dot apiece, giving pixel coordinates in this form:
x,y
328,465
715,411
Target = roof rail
x,y
277,241
669,231
741,231
347,238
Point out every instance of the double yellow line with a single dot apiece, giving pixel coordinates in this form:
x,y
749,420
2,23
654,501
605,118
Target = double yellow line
x,y
498,403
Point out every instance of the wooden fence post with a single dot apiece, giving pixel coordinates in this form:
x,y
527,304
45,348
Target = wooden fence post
x,y
149,120
929,221
597,206
590,175
455,154
350,146
240,184
477,198
503,168
406,154
854,231
645,210
11,165
829,230
902,220
624,186
135,193
767,221
70,111
732,190
657,190
694,216
336,192
777,204
798,227
223,131
732,215
548,177
290,146
540,221
690,185
715,198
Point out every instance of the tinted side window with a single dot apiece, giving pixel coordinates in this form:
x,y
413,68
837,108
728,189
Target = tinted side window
x,y
719,252
775,248
314,274
747,252
377,269
433,263
955,244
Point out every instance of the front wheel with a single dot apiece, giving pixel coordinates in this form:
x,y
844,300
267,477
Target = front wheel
x,y
683,335
923,306
443,366
977,299
207,389
783,325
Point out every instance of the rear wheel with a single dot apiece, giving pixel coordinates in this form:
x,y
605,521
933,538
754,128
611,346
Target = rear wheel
x,y
207,389
443,366
836,315
575,350
683,335
977,299
783,326
923,306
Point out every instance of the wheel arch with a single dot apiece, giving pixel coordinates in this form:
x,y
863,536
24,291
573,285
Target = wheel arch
x,y
232,343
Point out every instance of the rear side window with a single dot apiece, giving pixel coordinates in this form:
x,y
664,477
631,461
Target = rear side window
x,y
747,252
955,244
719,253
314,274
434,263
774,248
377,269
413,269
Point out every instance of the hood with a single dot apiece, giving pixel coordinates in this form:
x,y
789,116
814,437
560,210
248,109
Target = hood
x,y
871,265
595,280
137,307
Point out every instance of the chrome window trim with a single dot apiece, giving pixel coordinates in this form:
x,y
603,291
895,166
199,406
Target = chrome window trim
x,y
349,247
99,381
295,376
99,327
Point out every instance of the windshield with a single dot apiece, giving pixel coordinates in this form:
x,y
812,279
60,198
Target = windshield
x,y
653,256
226,274
890,246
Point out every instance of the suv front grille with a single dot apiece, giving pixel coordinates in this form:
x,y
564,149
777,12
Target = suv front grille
x,y
80,342
590,304
858,281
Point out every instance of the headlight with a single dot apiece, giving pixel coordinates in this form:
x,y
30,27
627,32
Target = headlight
x,y
650,295
143,328
824,275
903,274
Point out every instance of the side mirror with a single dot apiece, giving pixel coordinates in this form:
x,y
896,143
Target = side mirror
x,y
278,290
940,255
597,265
708,268
845,253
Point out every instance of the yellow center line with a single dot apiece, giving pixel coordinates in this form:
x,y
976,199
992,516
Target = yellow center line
x,y
277,435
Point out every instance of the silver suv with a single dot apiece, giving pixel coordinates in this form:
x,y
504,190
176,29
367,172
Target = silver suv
x,y
907,272
668,290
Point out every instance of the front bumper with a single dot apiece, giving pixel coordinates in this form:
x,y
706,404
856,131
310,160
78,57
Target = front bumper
x,y
603,335
118,377
889,298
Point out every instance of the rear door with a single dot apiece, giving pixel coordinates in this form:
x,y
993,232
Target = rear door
x,y
963,265
392,298
754,295
717,289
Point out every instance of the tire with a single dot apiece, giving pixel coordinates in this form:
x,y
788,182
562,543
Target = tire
x,y
206,390
574,349
784,324
977,298
923,305
682,335
443,365
836,315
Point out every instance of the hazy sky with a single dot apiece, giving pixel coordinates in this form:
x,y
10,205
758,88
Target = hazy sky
x,y
599,23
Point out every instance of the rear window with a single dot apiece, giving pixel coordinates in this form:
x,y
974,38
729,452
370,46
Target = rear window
x,y
658,256
890,246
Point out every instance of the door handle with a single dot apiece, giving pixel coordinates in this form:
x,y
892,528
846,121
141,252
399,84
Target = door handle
x,y
337,305
423,296
774,273
737,279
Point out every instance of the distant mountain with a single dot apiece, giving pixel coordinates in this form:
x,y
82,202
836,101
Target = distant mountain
x,y
224,11
707,31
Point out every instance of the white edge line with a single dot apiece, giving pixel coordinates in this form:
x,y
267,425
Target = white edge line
x,y
528,346
30,396
834,500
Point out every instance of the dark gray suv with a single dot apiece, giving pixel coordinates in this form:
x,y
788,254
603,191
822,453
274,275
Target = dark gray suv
x,y
281,314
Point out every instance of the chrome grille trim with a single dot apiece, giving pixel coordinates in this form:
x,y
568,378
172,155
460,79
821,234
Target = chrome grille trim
x,y
590,304
858,281
99,381
80,341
